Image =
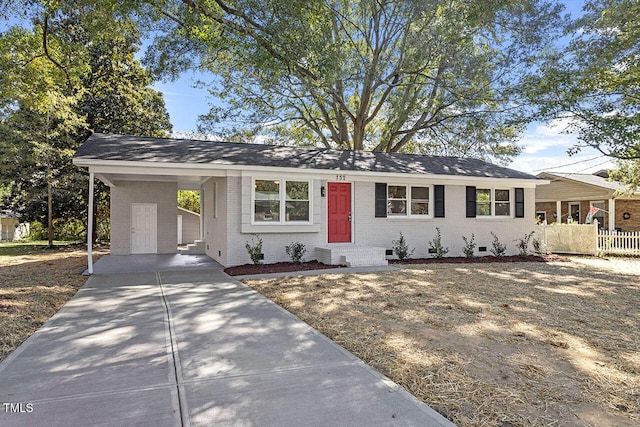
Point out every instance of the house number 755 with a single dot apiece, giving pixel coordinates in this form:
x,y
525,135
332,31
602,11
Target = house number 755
x,y
341,178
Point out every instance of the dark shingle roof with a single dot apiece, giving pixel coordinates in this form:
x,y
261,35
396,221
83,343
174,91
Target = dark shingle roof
x,y
164,150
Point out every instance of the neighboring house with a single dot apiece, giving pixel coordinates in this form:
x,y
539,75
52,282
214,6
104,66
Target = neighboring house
x,y
188,226
8,224
569,197
332,201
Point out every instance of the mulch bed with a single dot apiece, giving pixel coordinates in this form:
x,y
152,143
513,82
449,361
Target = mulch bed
x,y
278,267
482,259
286,267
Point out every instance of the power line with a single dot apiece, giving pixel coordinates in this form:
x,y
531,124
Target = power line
x,y
593,166
571,164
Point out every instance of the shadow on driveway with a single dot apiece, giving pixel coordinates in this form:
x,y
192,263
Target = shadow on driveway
x,y
191,347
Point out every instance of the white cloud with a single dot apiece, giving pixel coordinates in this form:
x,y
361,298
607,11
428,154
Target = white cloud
x,y
545,149
543,137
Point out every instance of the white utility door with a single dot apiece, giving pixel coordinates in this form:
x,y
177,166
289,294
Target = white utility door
x,y
144,229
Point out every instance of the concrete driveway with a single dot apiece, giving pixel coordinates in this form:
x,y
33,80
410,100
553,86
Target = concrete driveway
x,y
190,348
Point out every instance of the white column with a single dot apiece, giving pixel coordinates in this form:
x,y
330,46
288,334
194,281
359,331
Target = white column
x,y
559,212
201,212
612,214
90,226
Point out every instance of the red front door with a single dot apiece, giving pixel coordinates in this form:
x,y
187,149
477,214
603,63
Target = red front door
x,y
339,217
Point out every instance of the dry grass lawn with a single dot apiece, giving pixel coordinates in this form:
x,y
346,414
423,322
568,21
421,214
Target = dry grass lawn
x,y
521,344
34,285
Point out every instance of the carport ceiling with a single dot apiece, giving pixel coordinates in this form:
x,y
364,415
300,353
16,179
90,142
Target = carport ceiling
x,y
184,182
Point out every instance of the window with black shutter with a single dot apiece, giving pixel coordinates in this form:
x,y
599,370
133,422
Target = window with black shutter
x,y
438,201
381,200
471,202
519,202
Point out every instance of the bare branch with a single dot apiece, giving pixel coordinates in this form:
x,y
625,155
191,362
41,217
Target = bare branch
x,y
45,48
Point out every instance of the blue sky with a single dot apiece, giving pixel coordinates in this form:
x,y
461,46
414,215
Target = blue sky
x,y
544,145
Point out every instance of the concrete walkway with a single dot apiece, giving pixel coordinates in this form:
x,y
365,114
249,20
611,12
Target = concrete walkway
x,y
118,264
191,348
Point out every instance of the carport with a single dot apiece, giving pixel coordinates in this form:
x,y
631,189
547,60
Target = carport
x,y
143,205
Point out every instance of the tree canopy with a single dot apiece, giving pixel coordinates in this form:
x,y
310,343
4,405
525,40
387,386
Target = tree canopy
x,y
419,75
595,79
69,72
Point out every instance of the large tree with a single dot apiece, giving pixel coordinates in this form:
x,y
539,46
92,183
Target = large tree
x,y
595,79
595,82
71,73
38,119
387,75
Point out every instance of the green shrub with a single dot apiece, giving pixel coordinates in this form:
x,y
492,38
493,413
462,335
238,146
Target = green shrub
x,y
401,249
37,231
435,246
523,244
538,247
497,249
69,229
63,229
469,246
296,252
103,228
255,250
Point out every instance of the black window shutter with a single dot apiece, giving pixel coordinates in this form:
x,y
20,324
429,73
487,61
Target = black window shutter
x,y
438,201
471,202
381,200
519,202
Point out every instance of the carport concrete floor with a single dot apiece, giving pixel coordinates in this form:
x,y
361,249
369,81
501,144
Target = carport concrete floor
x,y
191,348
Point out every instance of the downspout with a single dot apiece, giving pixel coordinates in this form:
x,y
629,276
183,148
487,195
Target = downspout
x,y
90,226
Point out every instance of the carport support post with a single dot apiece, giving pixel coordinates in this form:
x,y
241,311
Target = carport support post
x,y
90,226
201,213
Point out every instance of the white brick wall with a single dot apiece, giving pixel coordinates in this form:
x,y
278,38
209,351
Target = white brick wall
x,y
418,232
226,239
274,238
215,211
164,194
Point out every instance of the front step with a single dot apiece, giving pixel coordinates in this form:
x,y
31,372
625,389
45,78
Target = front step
x,y
352,255
195,248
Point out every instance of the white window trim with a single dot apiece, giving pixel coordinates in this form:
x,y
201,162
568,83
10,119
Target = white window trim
x,y
408,192
493,203
592,203
576,220
283,200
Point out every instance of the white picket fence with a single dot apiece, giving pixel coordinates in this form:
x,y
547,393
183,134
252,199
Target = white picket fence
x,y
620,243
586,240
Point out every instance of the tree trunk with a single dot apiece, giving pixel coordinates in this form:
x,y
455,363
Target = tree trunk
x,y
50,209
94,231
